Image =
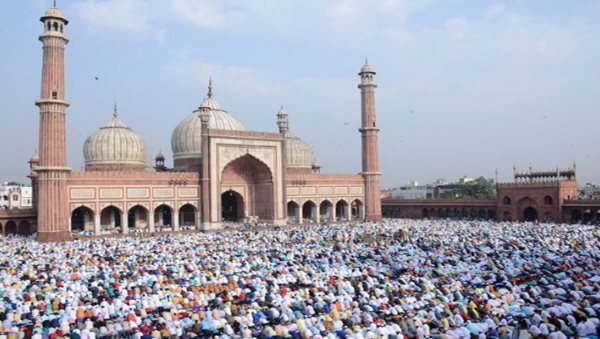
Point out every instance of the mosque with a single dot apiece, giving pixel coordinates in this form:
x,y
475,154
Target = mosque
x,y
222,172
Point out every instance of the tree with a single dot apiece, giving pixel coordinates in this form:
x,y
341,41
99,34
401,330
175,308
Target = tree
x,y
480,188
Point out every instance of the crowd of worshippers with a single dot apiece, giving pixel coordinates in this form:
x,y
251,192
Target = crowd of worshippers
x,y
395,279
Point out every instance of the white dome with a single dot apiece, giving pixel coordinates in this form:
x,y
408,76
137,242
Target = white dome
x,y
186,141
114,147
54,13
299,153
366,69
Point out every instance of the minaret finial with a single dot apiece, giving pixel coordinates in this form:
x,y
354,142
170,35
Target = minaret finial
x,y
366,61
210,86
54,3
115,110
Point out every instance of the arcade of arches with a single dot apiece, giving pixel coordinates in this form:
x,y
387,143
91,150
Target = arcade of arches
x,y
12,227
585,214
325,211
112,219
437,212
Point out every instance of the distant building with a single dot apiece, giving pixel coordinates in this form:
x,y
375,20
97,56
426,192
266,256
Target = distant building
x,y
550,196
414,190
15,196
590,191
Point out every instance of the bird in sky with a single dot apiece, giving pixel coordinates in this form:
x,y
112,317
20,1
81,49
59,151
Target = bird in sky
x,y
96,78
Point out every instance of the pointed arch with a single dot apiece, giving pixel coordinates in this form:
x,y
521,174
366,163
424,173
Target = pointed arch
x,y
24,228
82,218
588,216
163,216
530,213
576,216
232,206
110,219
325,211
10,228
341,210
309,211
528,209
253,181
188,214
242,166
357,209
137,217
293,212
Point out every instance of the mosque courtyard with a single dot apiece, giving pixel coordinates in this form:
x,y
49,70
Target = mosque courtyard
x,y
399,278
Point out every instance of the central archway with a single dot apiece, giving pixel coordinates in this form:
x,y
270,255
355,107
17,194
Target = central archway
x,y
252,181
530,214
232,206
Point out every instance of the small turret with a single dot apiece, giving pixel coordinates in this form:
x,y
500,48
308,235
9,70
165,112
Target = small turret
x,y
159,162
282,121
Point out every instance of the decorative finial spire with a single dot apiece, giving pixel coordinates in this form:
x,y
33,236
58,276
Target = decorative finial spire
x,y
54,3
115,110
366,61
210,86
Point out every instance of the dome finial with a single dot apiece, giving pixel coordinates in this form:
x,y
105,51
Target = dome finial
x,y
210,86
115,110
54,4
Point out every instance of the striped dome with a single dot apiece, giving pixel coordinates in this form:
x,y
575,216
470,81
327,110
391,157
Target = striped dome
x,y
114,147
299,153
186,141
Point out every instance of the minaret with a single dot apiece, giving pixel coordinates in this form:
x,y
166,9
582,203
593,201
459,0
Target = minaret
x,y
282,121
33,164
283,125
370,154
53,214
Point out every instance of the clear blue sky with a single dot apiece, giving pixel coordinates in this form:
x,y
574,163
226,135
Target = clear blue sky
x,y
465,87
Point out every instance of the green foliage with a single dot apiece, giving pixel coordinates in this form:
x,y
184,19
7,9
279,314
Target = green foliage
x,y
480,188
